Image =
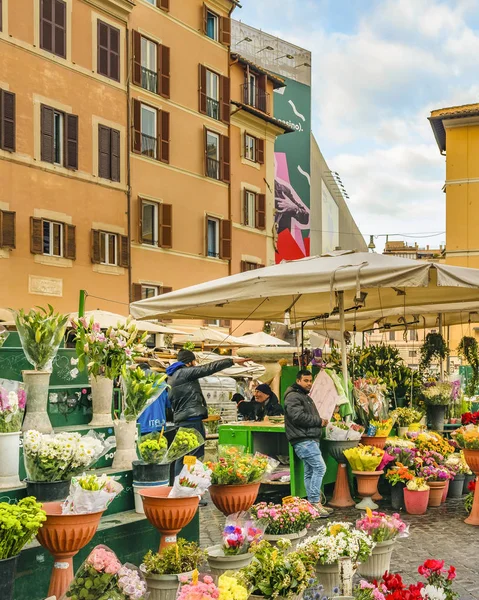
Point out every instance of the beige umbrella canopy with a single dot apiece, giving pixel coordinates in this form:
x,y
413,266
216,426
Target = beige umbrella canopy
x,y
107,319
262,339
209,337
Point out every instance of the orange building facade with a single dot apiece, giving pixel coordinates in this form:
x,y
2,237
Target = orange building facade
x,y
136,151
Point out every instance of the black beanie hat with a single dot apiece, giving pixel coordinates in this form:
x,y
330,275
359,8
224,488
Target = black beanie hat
x,y
186,356
264,387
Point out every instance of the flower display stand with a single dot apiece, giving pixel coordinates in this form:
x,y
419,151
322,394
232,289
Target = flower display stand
x,y
341,495
101,396
36,390
125,435
230,499
367,486
472,459
9,465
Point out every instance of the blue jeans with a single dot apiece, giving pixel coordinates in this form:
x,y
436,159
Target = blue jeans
x,y
314,468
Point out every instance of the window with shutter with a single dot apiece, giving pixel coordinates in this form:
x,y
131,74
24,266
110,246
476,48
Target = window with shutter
x,y
1,16
164,136
36,236
164,71
7,229
136,126
211,23
108,51
260,217
71,142
53,26
115,155
250,147
225,241
260,151
95,246
136,289
7,120
166,225
47,131
137,64
250,266
164,5
69,242
225,159
108,153
249,209
124,251
202,90
225,99
226,31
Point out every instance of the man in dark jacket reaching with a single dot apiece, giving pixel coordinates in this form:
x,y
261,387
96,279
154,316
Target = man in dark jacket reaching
x,y
303,430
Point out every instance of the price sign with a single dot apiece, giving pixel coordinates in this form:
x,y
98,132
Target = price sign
x,y
189,461
288,500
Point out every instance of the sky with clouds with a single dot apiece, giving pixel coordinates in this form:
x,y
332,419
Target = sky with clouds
x,y
379,68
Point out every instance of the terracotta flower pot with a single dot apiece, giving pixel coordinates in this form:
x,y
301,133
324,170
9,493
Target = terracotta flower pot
x,y
367,487
374,440
168,515
436,490
64,536
230,499
445,491
416,502
472,459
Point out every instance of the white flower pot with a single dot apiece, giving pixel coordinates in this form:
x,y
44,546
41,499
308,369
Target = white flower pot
x,y
125,454
36,390
219,563
10,453
294,538
379,562
403,431
329,577
101,397
162,587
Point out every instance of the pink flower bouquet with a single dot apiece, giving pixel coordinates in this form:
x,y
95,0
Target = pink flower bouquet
x,y
289,517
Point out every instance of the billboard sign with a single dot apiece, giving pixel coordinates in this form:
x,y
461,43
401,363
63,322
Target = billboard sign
x,y
329,220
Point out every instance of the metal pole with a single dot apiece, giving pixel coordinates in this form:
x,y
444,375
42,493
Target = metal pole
x,y
344,359
441,364
81,304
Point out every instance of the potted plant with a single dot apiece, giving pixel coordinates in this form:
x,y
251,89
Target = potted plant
x,y
404,417
469,350
398,477
364,461
332,543
437,396
435,477
41,333
163,571
104,353
19,524
12,407
290,520
416,496
150,471
52,460
236,479
138,389
275,573
228,588
383,530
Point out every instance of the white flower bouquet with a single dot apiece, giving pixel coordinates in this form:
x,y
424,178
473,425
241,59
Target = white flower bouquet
x,y
12,405
90,494
60,456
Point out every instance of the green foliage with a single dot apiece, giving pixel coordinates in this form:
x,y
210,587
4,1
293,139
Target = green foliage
x,y
19,523
434,348
469,350
138,389
189,346
182,557
41,332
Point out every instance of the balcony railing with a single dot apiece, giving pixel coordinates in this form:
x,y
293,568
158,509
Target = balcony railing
x,y
256,97
149,80
213,168
148,145
213,108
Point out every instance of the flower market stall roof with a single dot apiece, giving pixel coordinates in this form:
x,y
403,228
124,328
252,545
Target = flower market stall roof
x,y
209,337
108,319
262,339
304,289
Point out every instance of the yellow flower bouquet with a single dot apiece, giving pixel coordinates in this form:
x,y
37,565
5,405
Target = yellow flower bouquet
x,y
383,427
364,458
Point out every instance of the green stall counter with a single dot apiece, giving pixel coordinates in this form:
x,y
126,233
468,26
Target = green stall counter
x,y
270,439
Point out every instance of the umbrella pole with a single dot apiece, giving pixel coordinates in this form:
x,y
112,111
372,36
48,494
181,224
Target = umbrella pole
x,y
344,359
441,363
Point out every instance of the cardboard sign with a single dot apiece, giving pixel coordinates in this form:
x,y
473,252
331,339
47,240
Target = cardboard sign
x,y
189,461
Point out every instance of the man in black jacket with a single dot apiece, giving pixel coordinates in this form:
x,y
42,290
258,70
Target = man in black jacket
x,y
303,430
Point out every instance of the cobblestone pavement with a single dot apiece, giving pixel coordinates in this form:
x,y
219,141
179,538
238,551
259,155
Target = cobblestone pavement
x,y
441,533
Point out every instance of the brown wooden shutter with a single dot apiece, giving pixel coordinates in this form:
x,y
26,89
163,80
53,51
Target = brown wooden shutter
x,y
260,216
243,266
124,251
245,207
205,18
140,219
225,99
259,151
46,24
225,159
104,151
226,31
114,54
46,134
95,247
1,16
7,228
7,120
164,135
71,142
261,96
137,126
226,231
165,289
136,58
36,235
163,4
69,241
60,28
115,155
163,71
202,89
136,292
166,225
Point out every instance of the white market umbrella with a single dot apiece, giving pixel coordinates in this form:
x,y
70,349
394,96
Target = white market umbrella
x,y
321,286
262,339
108,319
208,336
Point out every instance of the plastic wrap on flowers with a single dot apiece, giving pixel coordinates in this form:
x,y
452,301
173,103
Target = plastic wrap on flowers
x,y
193,480
271,465
12,405
240,532
203,588
386,459
153,447
186,441
382,527
236,468
95,576
129,584
90,494
60,456
364,458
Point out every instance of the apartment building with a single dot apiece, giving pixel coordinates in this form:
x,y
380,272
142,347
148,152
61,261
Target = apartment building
x,y
63,153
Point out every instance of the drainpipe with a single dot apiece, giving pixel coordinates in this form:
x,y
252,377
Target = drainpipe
x,y
128,162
